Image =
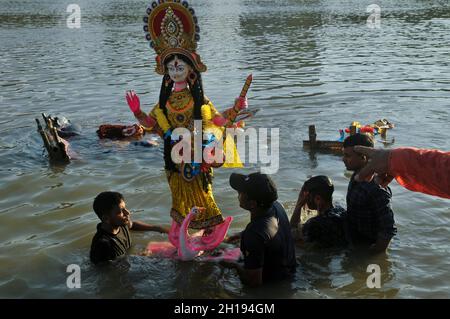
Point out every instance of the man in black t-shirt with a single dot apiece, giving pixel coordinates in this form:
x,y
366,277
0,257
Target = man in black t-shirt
x,y
113,239
266,243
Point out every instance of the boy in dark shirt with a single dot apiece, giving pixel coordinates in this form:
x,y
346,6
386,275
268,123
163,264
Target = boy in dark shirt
x,y
113,239
370,216
328,228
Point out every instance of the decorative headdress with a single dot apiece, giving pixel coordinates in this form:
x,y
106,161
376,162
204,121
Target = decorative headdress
x,y
171,27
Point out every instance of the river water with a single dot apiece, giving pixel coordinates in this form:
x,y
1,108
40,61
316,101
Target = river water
x,y
313,62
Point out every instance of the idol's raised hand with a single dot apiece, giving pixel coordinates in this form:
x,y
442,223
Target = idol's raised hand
x,y
241,103
133,101
135,107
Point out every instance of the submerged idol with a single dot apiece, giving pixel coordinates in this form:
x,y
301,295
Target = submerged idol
x,y
172,30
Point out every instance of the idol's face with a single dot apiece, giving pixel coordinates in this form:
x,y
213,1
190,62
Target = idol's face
x,y
178,70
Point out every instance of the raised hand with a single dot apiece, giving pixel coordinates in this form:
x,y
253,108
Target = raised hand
x,y
376,168
219,120
135,107
241,103
302,197
133,102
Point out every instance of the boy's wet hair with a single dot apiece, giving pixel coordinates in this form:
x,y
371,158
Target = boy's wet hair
x,y
105,202
320,185
358,139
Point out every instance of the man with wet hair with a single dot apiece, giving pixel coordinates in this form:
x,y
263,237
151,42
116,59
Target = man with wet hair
x,y
328,228
370,216
112,239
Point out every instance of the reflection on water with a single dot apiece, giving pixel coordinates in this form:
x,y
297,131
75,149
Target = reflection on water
x,y
313,62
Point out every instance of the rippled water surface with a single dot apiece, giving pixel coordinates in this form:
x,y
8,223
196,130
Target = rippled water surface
x,y
314,62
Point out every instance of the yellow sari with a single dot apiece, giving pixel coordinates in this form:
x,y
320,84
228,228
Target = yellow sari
x,y
198,191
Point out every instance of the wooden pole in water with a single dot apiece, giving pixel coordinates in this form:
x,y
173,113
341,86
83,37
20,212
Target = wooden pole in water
x,y
44,136
312,136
